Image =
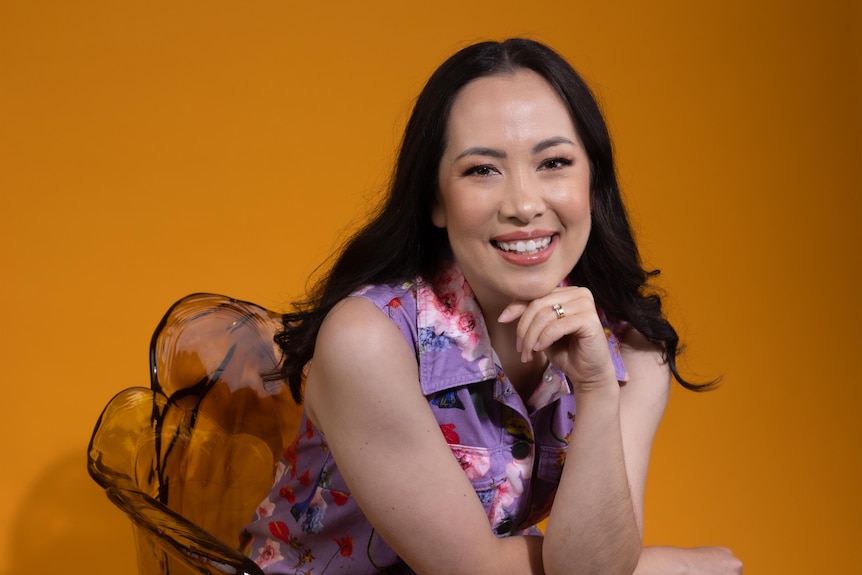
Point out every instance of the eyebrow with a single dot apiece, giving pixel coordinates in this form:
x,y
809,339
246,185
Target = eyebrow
x,y
480,151
495,153
550,143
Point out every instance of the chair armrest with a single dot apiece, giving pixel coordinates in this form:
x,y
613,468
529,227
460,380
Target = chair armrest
x,y
120,453
180,537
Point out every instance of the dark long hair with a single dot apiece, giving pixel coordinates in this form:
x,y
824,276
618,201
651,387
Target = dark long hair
x,y
400,242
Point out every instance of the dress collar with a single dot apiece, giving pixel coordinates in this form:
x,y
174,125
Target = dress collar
x,y
455,349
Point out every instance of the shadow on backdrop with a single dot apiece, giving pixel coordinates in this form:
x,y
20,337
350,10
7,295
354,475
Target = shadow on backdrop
x,y
65,524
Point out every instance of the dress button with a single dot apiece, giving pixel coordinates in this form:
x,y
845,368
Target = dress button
x,y
521,450
505,527
549,378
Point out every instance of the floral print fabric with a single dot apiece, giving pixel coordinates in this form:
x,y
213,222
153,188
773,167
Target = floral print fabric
x,y
512,451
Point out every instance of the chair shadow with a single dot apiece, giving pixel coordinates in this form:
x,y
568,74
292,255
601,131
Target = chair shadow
x,y
66,524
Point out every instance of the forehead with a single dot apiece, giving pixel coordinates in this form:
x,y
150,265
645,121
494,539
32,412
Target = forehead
x,y
514,105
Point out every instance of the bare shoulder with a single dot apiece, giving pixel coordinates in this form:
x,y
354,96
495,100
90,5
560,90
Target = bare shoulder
x,y
359,351
355,330
649,374
634,341
353,316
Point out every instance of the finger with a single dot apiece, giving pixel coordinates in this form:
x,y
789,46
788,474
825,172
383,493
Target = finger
x,y
552,329
537,314
574,316
530,325
541,325
512,311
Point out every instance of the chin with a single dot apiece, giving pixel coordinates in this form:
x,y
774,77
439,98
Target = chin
x,y
531,292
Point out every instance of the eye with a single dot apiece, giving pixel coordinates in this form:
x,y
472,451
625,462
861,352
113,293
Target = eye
x,y
481,170
555,163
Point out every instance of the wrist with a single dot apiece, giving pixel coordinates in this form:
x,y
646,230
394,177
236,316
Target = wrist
x,y
606,390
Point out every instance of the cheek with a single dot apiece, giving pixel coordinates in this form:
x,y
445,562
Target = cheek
x,y
438,213
457,213
577,206
585,210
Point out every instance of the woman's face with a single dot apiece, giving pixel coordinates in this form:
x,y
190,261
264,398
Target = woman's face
x,y
514,192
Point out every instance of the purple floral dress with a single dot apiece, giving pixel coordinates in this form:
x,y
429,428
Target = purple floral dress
x,y
512,452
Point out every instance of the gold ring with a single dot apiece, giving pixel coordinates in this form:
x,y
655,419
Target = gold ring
x,y
558,309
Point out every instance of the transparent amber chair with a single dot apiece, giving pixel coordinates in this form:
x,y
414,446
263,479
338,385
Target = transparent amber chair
x,y
190,458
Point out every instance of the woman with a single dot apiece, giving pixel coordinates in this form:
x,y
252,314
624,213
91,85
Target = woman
x,y
488,325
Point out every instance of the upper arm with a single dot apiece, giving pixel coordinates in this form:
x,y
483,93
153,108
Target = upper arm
x,y
642,402
363,392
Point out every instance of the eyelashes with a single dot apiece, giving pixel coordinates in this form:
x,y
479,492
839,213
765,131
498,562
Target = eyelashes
x,y
482,170
556,163
485,170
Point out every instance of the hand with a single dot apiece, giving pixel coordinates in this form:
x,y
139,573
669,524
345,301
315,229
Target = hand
x,y
712,561
575,343
690,561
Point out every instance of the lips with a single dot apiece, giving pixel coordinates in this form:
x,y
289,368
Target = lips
x,y
526,249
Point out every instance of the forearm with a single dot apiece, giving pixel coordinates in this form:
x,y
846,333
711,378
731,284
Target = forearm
x,y
592,527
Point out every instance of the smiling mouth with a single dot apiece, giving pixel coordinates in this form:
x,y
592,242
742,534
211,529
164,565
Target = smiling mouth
x,y
527,247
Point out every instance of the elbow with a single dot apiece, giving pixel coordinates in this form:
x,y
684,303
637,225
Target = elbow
x,y
629,557
632,558
612,559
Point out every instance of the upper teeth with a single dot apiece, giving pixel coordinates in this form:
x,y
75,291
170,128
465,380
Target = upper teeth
x,y
530,246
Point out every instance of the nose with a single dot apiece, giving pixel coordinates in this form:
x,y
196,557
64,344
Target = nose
x,y
522,199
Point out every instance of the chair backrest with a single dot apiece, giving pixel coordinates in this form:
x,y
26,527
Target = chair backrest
x,y
190,458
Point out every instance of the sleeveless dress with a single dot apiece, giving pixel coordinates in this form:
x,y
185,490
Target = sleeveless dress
x,y
512,451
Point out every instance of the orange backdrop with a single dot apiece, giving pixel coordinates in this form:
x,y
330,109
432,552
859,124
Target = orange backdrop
x,y
153,149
